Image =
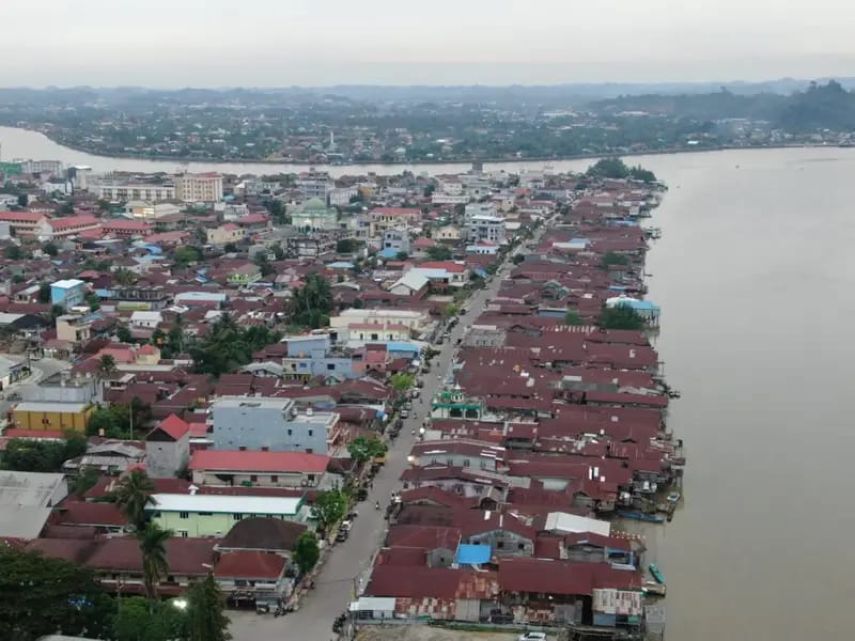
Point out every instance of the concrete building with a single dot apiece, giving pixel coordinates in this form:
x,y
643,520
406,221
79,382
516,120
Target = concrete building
x,y
26,224
27,500
316,184
270,424
144,210
416,321
113,190
195,188
479,209
314,215
68,293
264,469
73,328
198,515
397,240
225,234
44,416
167,448
489,229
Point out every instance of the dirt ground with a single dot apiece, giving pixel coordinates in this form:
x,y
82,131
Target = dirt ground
x,y
428,633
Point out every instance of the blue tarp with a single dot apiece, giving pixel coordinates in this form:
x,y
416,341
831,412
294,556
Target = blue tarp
x,y
389,252
472,554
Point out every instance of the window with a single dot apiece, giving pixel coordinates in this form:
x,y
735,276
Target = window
x,y
521,546
331,366
466,462
310,478
253,477
264,448
290,431
204,513
183,533
500,544
183,515
374,337
311,432
237,517
274,478
242,448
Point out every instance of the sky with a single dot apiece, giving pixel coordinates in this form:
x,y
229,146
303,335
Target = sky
x,y
215,43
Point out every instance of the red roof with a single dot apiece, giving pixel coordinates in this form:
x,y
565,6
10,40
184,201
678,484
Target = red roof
x,y
562,577
85,513
236,460
127,225
250,565
415,582
447,265
21,216
174,426
73,222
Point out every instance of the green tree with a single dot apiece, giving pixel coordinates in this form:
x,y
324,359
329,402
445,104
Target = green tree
x,y
132,495
84,481
228,346
644,175
306,552
28,455
572,318
207,618
123,333
22,200
264,265
402,381
186,254
13,252
613,259
277,212
106,365
364,449
278,252
50,249
93,301
439,252
608,168
621,317
152,540
44,293
138,619
329,508
230,248
41,596
346,246
402,256
124,277
312,303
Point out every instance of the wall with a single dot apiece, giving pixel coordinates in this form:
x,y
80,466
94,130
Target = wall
x,y
197,524
165,458
52,420
258,427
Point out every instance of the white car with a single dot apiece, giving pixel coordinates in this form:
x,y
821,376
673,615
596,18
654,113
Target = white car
x,y
532,636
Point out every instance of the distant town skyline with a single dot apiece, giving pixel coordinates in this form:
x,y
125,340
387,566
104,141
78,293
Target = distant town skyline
x,y
214,43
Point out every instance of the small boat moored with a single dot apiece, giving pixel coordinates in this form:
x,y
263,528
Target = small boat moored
x,y
641,516
656,573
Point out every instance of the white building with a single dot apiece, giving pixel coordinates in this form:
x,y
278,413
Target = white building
x,y
143,210
120,191
199,188
479,209
486,228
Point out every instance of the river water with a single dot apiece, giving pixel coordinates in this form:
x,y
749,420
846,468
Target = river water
x,y
755,274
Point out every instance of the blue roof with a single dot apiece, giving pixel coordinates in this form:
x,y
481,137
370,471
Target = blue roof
x,y
401,346
645,305
341,264
389,252
472,554
154,249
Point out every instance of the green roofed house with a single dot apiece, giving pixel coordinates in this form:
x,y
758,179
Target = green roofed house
x,y
314,215
195,515
455,404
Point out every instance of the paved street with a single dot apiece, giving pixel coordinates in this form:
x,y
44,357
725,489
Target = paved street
x,y
349,563
41,369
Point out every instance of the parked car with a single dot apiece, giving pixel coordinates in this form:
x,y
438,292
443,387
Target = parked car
x,y
405,413
532,636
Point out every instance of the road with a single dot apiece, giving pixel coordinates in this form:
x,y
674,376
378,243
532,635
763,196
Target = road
x,y
41,369
347,568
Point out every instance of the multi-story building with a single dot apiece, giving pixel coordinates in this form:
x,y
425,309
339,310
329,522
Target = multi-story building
x,y
314,215
479,209
118,190
69,226
270,424
315,184
265,469
391,217
486,228
194,188
73,328
68,293
397,240
141,209
26,223
40,166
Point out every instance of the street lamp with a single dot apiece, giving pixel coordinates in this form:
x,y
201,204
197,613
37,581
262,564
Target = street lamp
x,y
181,604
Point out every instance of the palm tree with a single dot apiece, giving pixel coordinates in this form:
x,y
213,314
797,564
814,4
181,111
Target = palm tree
x,y
106,365
124,276
132,495
152,540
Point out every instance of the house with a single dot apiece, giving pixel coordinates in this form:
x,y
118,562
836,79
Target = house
x,y
490,229
225,234
274,424
443,274
265,469
26,502
262,534
457,452
390,217
35,415
253,578
244,274
26,223
146,320
127,228
68,293
649,311
167,447
12,371
412,283
448,234
194,515
70,226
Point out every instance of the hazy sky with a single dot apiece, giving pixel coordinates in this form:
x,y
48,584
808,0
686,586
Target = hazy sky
x,y
169,43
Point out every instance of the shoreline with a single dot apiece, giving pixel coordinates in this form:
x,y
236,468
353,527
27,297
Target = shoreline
x,y
405,164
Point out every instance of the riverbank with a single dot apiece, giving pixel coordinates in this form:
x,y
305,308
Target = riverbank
x,y
278,166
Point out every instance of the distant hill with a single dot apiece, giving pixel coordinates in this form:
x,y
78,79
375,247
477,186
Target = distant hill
x,y
819,106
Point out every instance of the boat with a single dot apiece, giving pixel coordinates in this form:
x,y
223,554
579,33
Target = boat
x,y
674,497
656,573
641,516
653,588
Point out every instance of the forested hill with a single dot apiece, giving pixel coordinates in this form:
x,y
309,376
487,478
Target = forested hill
x,y
820,106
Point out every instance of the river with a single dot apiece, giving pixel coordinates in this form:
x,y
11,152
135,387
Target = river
x,y
755,273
